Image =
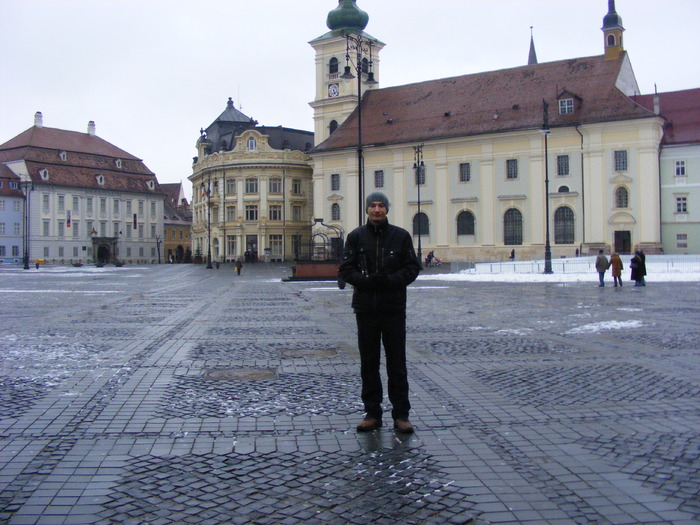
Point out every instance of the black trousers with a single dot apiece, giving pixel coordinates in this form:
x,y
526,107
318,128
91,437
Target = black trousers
x,y
388,328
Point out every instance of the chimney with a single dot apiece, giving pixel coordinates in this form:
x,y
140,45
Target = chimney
x,y
91,128
38,119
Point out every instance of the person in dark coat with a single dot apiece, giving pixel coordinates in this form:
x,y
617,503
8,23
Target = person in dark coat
x,y
379,262
239,265
601,265
639,269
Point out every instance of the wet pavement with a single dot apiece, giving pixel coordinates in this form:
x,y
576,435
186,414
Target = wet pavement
x,y
177,394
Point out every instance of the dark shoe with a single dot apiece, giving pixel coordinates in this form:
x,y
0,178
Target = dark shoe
x,y
368,424
404,426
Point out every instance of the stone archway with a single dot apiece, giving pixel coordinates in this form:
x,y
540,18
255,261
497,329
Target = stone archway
x,y
105,250
103,253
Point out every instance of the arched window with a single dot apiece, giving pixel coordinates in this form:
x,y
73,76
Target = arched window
x,y
611,40
564,225
252,144
421,224
333,125
465,223
333,65
365,65
513,227
563,189
622,198
335,211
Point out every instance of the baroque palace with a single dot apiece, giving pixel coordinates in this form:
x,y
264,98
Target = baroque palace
x,y
251,190
479,165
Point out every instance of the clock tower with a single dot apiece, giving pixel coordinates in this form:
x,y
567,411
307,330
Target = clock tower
x,y
336,53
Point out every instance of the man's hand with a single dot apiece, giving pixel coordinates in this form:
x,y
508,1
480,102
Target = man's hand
x,y
377,280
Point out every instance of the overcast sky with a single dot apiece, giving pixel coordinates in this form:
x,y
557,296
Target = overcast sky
x,y
151,73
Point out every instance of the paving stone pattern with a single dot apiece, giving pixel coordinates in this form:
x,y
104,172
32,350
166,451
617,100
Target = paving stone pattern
x,y
177,394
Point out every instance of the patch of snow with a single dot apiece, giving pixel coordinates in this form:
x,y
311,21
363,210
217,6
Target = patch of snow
x,y
605,325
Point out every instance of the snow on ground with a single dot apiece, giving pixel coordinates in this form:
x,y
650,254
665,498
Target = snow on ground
x,y
660,268
595,328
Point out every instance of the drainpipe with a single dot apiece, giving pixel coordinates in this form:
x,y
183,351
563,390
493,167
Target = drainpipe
x,y
583,197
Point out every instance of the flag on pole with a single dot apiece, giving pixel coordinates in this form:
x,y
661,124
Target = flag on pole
x,y
68,219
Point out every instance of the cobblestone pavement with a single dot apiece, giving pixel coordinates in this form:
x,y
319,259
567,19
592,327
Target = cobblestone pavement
x,y
177,394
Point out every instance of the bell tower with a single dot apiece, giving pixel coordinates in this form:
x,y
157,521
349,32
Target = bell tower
x,y
337,54
612,31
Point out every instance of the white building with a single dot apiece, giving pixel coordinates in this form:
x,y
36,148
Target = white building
x,y
88,200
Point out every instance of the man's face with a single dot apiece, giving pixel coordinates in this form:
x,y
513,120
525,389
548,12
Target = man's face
x,y
376,212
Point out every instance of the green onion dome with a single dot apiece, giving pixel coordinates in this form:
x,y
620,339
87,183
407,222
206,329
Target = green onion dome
x,y
347,15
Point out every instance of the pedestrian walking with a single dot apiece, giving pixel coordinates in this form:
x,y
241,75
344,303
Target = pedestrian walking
x,y
379,262
616,265
639,269
601,266
239,265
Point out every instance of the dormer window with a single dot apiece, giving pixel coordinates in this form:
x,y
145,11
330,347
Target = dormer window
x,y
118,163
44,174
151,185
63,156
251,144
566,106
100,179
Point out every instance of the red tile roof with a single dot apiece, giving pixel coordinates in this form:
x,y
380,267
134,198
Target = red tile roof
x,y
60,139
490,102
86,157
681,109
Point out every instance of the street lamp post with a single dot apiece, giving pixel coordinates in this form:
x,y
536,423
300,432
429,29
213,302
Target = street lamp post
x,y
28,186
208,193
545,131
419,168
363,48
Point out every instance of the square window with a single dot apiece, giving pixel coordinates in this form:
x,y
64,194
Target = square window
x,y
680,168
251,185
621,160
420,175
275,212
379,179
681,205
562,165
566,106
681,240
512,169
465,172
251,212
275,185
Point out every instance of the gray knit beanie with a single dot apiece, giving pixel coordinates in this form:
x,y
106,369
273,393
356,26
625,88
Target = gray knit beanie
x,y
377,196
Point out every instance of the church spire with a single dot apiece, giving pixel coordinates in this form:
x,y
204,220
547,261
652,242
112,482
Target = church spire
x,y
612,31
532,57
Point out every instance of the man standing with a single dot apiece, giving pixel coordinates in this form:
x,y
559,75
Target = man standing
x,y
601,266
379,262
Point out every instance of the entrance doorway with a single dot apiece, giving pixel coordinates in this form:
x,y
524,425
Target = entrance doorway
x,y
251,248
623,242
103,253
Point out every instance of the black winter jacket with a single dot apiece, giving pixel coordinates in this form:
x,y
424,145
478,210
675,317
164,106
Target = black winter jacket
x,y
379,261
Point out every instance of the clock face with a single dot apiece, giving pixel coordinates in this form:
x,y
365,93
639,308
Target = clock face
x,y
333,90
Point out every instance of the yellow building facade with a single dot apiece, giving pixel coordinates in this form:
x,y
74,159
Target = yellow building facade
x,y
482,140
252,190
